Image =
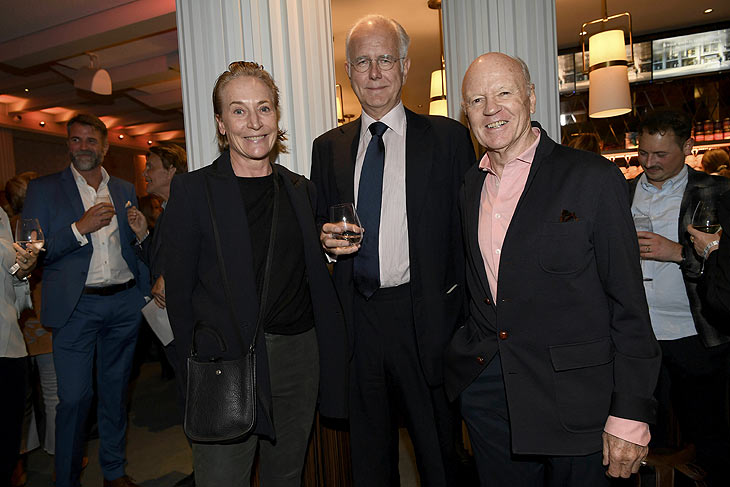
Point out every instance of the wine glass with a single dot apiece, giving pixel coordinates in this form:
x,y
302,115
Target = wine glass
x,y
705,217
642,223
705,220
28,233
345,214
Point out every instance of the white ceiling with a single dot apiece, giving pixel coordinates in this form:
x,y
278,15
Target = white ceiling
x,y
42,44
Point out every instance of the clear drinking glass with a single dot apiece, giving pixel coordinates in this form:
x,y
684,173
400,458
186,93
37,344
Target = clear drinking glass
x,y
28,232
643,224
346,215
705,219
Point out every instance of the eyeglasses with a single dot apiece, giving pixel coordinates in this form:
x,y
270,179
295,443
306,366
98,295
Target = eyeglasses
x,y
385,63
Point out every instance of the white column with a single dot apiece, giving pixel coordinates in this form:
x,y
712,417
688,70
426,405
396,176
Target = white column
x,y
524,28
292,39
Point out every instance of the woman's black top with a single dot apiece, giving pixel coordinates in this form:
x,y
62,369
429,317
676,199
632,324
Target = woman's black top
x,y
289,304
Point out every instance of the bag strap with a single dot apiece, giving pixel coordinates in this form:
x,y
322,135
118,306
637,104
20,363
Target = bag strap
x,y
269,258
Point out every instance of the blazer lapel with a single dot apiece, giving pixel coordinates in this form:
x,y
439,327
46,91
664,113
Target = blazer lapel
x,y
473,190
125,233
344,155
299,197
418,164
72,192
544,148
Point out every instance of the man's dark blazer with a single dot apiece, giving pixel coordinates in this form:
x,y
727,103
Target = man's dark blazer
x,y
194,285
438,152
712,329
56,202
717,270
570,321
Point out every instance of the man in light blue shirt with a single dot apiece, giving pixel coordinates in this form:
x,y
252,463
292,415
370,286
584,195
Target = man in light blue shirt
x,y
696,352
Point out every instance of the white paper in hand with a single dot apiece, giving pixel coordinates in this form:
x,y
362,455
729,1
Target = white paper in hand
x,y
159,322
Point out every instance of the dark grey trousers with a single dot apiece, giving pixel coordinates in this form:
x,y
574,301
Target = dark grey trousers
x,y
294,373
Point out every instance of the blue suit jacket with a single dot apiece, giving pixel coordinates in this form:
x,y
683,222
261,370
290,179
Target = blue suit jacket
x,y
55,201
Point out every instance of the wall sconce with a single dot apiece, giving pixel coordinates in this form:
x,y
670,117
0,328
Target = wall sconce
x,y
438,104
608,93
340,110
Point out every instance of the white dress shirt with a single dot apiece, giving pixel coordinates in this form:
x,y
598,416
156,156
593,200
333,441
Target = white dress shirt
x,y
107,266
393,237
666,294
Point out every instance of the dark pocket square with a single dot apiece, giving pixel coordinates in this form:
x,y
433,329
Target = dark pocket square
x,y
567,216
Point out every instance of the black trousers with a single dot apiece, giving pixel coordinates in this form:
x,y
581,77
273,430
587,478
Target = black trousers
x,y
484,408
693,382
387,384
12,407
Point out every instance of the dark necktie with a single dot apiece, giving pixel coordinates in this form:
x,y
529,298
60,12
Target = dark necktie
x,y
369,197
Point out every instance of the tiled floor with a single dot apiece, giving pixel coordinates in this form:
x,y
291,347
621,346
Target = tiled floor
x,y
157,452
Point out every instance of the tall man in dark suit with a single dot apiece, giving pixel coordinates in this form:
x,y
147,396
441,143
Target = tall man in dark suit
x,y
556,362
402,289
694,340
91,297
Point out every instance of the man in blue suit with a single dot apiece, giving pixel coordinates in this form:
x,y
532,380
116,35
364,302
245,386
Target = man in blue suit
x,y
91,297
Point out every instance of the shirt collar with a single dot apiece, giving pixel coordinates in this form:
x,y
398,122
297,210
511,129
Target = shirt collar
x,y
395,119
80,179
527,157
669,185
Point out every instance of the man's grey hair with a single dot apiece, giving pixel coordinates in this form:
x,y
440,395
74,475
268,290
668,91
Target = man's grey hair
x,y
525,71
403,39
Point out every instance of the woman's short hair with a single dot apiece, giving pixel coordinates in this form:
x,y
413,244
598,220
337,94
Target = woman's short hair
x,y
586,142
715,160
239,69
171,155
16,188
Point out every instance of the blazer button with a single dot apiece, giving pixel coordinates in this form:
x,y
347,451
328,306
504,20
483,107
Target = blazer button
x,y
503,335
480,360
488,301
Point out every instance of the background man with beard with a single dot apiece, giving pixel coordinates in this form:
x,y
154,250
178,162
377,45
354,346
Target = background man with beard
x,y
91,297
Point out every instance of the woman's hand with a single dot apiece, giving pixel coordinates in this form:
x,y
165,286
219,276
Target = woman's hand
x,y
137,222
26,259
701,240
158,292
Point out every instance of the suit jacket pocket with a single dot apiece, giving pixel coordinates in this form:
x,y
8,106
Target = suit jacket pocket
x,y
564,248
583,377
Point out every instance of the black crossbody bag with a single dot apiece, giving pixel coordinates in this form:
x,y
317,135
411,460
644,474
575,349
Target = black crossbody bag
x,y
220,401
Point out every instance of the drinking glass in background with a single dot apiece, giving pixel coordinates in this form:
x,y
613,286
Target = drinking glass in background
x,y
28,233
705,220
705,217
345,213
643,224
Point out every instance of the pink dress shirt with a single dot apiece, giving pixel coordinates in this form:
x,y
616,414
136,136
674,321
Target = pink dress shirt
x,y
497,205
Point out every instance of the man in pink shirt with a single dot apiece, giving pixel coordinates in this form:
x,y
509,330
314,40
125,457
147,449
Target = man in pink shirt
x,y
557,361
